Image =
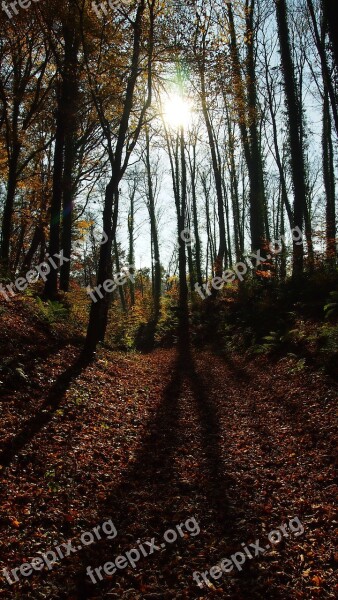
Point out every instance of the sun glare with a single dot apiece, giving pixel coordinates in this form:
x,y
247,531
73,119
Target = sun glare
x,y
177,111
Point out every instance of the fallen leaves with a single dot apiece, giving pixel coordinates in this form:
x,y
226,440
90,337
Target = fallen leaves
x,y
135,441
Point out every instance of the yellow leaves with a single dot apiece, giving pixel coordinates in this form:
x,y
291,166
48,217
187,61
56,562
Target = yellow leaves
x,y
85,224
15,523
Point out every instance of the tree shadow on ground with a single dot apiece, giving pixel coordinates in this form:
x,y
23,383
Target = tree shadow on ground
x,y
45,413
152,498
29,361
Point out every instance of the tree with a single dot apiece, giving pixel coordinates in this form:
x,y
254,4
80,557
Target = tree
x,y
200,50
64,152
157,283
25,84
330,15
119,155
294,127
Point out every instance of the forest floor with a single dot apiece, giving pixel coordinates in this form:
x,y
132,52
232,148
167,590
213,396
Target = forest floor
x,y
152,441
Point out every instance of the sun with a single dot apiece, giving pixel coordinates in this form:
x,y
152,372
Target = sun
x,y
177,111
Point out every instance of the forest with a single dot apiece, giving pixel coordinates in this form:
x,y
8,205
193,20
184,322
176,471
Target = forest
x,y
168,299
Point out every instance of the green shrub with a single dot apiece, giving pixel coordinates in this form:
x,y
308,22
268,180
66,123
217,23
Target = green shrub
x,y
331,308
52,311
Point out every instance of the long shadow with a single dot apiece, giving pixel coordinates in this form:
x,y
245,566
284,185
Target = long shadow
x,y
152,496
45,413
144,497
218,482
249,582
288,408
28,361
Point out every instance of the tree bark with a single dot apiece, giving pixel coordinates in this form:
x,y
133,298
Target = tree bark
x,y
329,183
7,221
71,94
294,127
331,15
154,233
222,249
62,124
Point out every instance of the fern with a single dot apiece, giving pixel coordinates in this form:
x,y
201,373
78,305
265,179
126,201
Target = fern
x,y
331,308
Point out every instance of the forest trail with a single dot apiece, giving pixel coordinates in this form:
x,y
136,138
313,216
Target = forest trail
x,y
153,440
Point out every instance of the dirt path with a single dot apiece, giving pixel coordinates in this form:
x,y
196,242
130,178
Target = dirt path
x,y
152,442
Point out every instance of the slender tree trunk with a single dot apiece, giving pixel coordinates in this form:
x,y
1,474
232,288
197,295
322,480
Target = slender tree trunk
x,y
246,108
19,247
210,244
154,233
329,183
282,178
38,239
320,44
193,179
283,253
183,295
294,126
51,286
258,213
222,249
71,94
239,250
118,269
7,221
131,253
330,11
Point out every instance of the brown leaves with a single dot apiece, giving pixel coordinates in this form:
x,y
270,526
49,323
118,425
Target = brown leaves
x,y
244,447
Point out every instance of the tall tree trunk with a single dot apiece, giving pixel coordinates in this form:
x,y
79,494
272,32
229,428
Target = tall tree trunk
x,y
331,16
193,179
320,44
294,126
258,213
19,247
154,233
282,177
71,94
131,252
51,286
7,221
211,253
247,121
191,265
239,250
118,270
222,249
183,295
329,183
